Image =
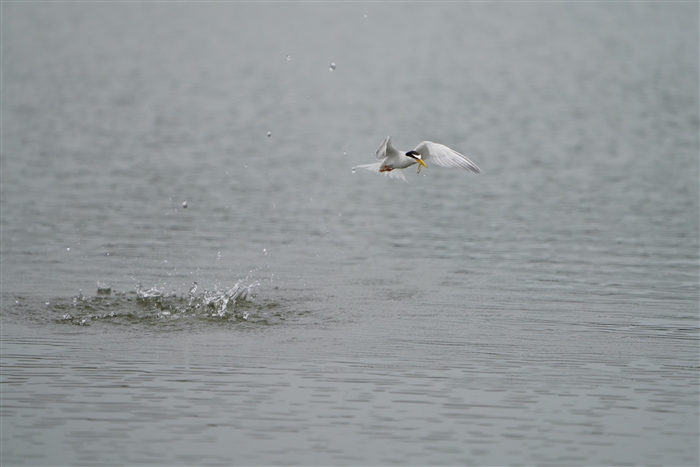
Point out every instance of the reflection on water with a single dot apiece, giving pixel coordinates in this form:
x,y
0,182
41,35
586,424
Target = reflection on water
x,y
542,313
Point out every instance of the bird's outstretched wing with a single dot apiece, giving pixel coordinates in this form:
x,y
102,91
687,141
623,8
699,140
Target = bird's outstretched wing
x,y
441,155
375,166
381,151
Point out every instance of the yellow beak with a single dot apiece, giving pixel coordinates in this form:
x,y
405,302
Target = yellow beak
x,y
420,161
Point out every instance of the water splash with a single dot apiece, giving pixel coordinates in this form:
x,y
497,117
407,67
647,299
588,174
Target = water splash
x,y
216,302
159,308
223,302
156,303
152,294
103,288
191,293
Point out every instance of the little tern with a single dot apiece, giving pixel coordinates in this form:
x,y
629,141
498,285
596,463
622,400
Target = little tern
x,y
391,159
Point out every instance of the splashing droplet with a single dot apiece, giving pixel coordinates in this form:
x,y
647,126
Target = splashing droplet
x,y
264,251
289,57
353,170
184,204
67,248
269,133
332,67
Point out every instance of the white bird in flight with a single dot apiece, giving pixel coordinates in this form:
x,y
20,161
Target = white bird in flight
x,y
391,159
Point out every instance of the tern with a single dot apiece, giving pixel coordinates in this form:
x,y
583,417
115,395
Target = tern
x,y
391,159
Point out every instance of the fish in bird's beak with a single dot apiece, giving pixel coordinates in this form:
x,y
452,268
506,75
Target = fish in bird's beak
x,y
420,162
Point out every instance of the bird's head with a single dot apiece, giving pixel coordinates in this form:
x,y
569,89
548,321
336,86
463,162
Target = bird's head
x,y
416,155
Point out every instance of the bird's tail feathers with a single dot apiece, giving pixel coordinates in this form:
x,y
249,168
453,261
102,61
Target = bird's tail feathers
x,y
374,167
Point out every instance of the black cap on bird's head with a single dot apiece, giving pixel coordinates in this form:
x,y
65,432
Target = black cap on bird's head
x,y
416,155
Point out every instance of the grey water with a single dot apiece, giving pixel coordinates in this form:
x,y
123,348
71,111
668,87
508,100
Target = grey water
x,y
192,274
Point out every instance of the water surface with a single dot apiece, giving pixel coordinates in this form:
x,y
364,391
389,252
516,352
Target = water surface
x,y
294,312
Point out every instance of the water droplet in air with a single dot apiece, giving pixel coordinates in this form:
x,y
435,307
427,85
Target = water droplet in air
x,y
332,67
184,204
264,251
269,133
289,57
353,170
67,248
